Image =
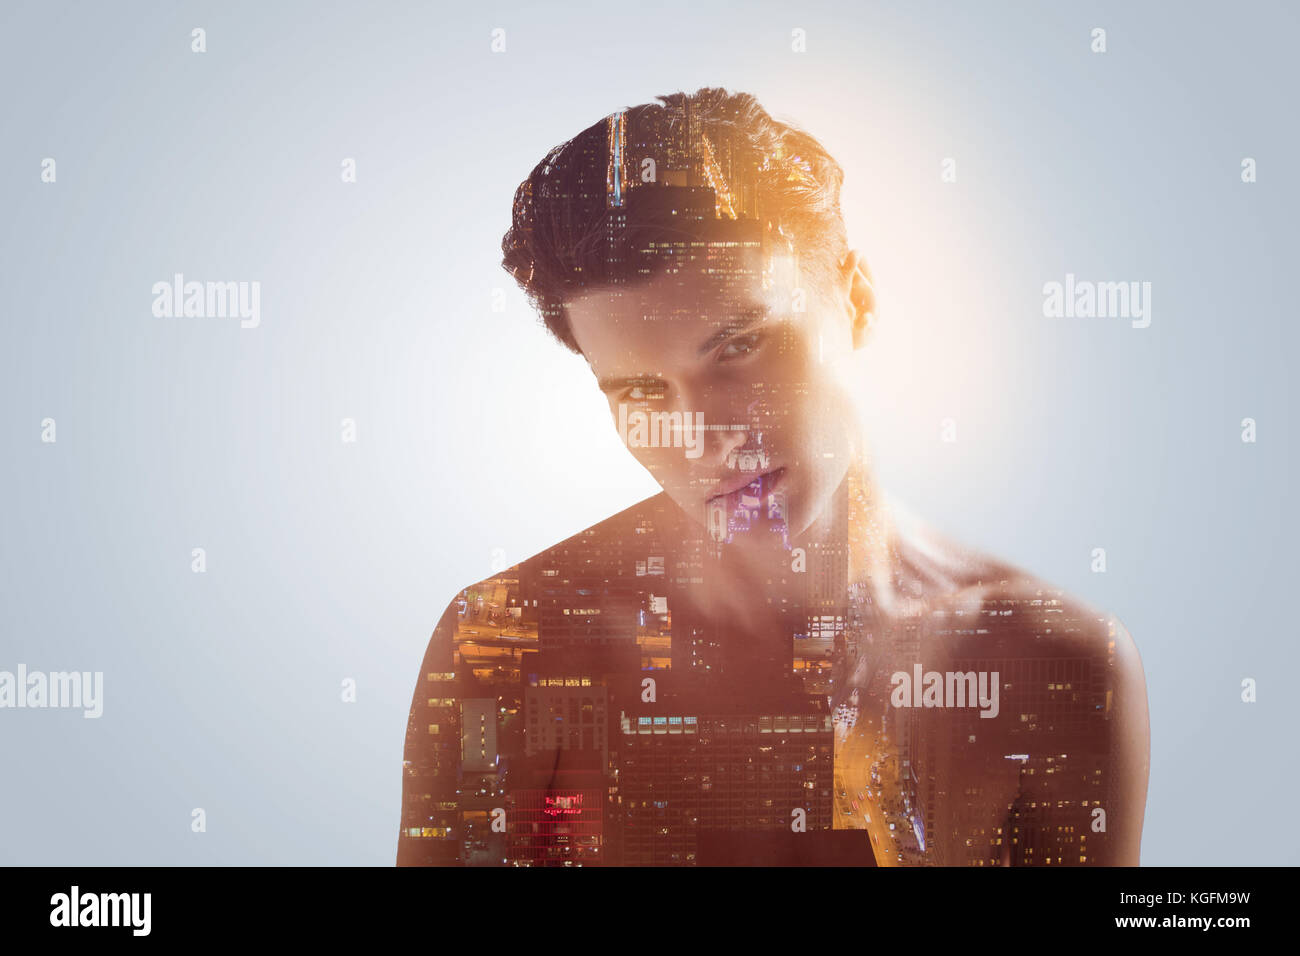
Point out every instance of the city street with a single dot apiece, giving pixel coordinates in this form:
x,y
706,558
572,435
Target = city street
x,y
853,757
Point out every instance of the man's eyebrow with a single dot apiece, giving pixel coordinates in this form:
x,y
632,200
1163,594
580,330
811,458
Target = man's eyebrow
x,y
606,384
751,317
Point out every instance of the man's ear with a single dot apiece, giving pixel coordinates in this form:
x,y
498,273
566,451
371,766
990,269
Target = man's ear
x,y
856,275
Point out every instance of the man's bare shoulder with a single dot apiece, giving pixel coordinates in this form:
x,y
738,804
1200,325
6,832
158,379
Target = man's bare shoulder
x,y
647,519
650,523
1069,673
983,603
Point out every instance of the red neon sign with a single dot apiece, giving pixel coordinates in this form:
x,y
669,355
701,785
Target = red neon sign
x,y
563,806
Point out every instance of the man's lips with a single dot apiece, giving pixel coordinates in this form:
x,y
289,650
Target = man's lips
x,y
770,480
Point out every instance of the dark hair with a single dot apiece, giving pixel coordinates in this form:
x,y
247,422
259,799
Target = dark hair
x,y
558,242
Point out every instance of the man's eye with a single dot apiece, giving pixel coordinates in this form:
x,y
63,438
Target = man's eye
x,y
740,346
642,393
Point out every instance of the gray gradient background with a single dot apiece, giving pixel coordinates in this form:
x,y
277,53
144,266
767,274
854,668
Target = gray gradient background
x,y
328,560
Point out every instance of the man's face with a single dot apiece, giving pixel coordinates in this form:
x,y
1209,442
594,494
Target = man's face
x,y
715,349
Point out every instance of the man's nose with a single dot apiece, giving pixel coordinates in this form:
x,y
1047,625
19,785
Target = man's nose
x,y
724,443
727,429
733,422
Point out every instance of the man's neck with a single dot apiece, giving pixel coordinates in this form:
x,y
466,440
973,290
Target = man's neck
x,y
858,505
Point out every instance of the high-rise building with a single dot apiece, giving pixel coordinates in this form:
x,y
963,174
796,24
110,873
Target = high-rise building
x,y
691,765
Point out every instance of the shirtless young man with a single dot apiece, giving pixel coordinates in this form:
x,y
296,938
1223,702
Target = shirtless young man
x,y
768,662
